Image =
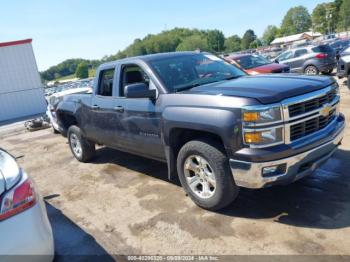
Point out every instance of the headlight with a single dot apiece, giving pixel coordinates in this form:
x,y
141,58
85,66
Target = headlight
x,y
263,137
262,114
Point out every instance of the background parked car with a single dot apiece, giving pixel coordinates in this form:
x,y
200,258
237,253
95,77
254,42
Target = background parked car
x,y
24,225
344,52
339,45
343,69
256,64
310,60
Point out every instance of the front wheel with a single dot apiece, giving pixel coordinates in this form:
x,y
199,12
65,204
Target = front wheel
x,y
311,70
82,149
205,175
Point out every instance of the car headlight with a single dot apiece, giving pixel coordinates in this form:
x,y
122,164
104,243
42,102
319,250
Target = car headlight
x,y
257,121
262,114
263,137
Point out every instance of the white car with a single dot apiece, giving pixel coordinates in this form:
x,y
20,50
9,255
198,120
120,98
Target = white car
x,y
54,99
24,226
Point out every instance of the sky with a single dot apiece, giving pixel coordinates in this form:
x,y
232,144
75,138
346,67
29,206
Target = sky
x,y
90,29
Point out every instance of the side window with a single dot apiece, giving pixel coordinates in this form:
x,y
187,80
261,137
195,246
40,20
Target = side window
x,y
300,52
105,86
285,56
132,74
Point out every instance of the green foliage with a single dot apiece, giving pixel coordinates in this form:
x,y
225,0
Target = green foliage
x,y
344,16
233,43
270,34
248,37
216,40
255,44
297,20
82,70
192,43
324,18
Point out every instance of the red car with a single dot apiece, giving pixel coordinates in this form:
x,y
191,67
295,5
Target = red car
x,y
256,64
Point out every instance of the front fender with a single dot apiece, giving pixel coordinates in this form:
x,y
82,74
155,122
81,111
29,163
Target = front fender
x,y
222,122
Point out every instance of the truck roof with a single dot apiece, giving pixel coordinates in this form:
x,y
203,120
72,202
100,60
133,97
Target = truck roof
x,y
150,57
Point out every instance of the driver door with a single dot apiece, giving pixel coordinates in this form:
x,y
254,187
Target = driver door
x,y
142,115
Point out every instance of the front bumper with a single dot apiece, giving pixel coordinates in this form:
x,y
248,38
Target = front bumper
x,y
250,174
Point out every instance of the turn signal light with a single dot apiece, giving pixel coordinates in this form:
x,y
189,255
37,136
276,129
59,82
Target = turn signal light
x,y
251,116
253,138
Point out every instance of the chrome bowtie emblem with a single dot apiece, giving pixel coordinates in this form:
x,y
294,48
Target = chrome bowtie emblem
x,y
325,111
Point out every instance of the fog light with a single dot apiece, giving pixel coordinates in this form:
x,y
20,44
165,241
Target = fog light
x,y
274,170
269,170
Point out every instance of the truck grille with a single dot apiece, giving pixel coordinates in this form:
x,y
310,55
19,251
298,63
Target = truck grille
x,y
311,126
310,105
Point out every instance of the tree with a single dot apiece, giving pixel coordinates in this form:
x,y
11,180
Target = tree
x,y
82,70
324,18
344,16
192,43
270,34
248,37
297,20
216,40
233,43
255,44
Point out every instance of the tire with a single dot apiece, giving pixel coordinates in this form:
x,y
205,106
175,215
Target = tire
x,y
82,149
215,166
311,70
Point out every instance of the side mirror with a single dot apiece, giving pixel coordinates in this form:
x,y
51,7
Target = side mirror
x,y
276,61
139,90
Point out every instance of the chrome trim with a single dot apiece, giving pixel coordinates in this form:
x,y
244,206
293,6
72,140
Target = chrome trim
x,y
288,141
306,97
335,101
286,121
249,174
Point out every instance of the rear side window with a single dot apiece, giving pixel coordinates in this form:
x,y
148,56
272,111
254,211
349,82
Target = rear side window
x,y
300,52
105,87
285,56
322,49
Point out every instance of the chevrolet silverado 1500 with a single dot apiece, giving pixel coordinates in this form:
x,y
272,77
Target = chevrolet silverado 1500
x,y
215,127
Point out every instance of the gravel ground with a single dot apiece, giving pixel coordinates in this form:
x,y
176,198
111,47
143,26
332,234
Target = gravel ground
x,y
123,204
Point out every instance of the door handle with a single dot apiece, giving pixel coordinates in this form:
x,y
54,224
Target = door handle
x,y
119,109
95,107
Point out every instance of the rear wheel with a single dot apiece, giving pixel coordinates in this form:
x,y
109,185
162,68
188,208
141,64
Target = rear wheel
x,y
205,175
82,149
311,70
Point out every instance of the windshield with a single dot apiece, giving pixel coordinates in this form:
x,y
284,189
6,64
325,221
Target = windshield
x,y
187,71
251,61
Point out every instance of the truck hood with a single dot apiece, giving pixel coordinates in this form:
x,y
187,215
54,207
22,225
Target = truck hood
x,y
9,171
266,89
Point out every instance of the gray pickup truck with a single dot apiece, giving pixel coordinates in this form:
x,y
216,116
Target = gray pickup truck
x,y
217,128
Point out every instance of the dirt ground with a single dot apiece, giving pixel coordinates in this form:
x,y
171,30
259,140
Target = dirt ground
x,y
123,204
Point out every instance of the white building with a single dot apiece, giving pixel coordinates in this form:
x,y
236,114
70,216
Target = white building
x,y
21,91
288,40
